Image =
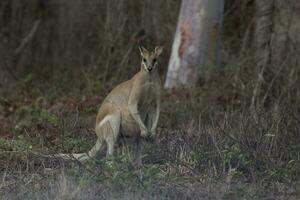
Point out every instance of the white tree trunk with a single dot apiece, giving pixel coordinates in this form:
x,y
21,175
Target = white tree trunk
x,y
197,41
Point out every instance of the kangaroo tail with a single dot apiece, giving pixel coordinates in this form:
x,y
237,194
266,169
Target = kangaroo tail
x,y
81,156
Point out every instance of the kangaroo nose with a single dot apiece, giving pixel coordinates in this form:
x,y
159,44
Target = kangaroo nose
x,y
149,69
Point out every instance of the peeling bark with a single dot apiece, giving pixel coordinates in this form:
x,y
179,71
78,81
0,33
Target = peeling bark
x,y
196,39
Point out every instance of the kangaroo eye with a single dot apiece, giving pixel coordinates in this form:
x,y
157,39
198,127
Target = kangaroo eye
x,y
144,60
154,60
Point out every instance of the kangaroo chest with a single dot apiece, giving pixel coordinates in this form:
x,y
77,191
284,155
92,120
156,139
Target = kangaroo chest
x,y
148,94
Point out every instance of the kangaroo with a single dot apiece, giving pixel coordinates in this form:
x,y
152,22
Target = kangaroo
x,y
131,109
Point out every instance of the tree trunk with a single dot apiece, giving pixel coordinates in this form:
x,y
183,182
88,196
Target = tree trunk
x,y
263,31
197,41
276,30
276,45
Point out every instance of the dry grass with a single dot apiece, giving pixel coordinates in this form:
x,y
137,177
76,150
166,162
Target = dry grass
x,y
234,136
218,151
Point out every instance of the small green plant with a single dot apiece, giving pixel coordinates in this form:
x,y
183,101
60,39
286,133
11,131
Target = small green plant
x,y
75,144
200,157
91,110
18,144
30,116
234,157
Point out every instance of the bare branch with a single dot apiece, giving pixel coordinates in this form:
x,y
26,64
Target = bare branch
x,y
28,38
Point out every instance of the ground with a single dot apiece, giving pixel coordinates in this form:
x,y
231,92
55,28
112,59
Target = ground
x,y
201,151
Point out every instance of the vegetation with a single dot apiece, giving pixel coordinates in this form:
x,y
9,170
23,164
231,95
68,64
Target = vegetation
x,y
232,136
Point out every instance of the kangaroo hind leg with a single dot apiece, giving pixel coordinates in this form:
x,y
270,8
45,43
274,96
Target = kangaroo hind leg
x,y
108,130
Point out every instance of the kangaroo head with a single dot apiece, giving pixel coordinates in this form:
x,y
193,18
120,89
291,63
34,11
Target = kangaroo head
x,y
149,59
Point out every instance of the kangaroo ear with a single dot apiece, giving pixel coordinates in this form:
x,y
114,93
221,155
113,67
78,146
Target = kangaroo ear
x,y
143,51
158,50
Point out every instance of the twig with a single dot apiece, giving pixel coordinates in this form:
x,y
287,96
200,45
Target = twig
x,y
29,37
3,179
77,116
